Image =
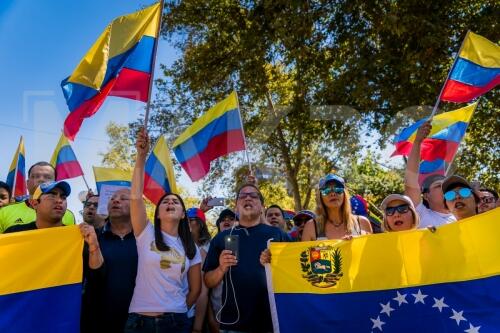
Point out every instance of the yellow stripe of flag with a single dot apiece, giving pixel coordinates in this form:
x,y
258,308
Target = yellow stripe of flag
x,y
481,51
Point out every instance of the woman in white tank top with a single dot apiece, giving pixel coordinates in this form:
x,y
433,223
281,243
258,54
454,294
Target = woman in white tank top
x,y
334,217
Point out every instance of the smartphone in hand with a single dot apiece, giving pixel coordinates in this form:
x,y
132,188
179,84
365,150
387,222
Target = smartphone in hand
x,y
232,243
215,202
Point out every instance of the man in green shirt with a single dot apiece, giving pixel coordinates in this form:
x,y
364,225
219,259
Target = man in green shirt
x,y
23,212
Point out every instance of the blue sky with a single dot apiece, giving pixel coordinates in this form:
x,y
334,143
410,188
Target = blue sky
x,y
42,42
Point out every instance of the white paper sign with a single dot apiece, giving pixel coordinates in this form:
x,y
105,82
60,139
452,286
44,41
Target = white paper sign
x,y
105,194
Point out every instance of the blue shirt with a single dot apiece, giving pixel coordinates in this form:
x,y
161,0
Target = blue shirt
x,y
248,278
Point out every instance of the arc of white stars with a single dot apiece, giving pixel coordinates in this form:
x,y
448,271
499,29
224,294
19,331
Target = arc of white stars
x,y
419,297
472,329
440,304
400,298
386,308
458,316
377,323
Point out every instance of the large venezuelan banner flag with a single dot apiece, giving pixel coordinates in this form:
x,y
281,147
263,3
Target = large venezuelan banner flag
x,y
413,281
40,284
118,64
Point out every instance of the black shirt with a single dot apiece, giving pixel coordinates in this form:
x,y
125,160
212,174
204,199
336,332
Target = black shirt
x,y
21,227
109,289
248,277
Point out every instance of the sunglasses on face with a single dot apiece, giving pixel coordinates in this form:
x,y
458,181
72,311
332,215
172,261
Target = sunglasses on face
x,y
488,199
464,193
401,209
327,190
244,195
89,204
300,222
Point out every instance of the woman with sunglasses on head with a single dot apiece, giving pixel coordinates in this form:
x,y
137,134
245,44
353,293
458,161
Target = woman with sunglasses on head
x,y
459,197
333,213
399,213
168,279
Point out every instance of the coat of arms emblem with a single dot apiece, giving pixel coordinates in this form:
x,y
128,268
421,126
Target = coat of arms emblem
x,y
322,266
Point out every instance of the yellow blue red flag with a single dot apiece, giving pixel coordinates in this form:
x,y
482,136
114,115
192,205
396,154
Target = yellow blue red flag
x,y
411,281
118,64
40,288
159,177
218,132
16,178
64,160
110,176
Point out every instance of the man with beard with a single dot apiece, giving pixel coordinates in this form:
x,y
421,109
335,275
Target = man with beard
x,y
459,197
245,290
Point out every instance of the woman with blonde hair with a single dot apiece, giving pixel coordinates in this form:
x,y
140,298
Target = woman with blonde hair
x,y
333,210
399,213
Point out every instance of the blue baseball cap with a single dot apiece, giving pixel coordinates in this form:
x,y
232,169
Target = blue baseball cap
x,y
331,178
49,186
194,212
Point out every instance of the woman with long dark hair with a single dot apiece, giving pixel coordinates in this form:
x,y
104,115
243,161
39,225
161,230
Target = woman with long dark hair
x,y
168,274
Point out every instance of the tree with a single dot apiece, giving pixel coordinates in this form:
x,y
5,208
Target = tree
x,y
376,57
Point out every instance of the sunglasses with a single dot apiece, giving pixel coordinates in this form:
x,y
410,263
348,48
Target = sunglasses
x,y
88,204
488,199
464,193
327,190
299,222
244,195
401,209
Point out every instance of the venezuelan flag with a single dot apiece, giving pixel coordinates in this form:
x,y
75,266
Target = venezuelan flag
x,y
159,177
110,176
118,64
410,281
16,178
40,288
475,72
442,143
216,133
64,160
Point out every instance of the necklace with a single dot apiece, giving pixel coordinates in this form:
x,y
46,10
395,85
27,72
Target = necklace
x,y
336,225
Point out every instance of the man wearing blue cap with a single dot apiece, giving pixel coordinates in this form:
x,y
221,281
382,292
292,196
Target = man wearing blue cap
x,y
49,202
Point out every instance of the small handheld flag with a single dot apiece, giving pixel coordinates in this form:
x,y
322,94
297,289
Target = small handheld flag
x,y
441,145
118,64
110,176
64,160
475,72
16,178
159,177
216,133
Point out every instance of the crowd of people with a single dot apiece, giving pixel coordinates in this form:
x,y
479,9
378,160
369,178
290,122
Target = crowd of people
x,y
170,275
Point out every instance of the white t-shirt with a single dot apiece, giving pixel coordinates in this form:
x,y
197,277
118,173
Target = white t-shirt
x,y
161,284
431,218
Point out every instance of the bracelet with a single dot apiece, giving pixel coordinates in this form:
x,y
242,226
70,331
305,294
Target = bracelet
x,y
95,249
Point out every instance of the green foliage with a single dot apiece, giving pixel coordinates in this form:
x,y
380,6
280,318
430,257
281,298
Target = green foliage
x,y
373,181
377,57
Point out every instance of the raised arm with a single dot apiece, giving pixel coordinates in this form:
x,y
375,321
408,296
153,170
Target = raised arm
x,y
412,188
137,207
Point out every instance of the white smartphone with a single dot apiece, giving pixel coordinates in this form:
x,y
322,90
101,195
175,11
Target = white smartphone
x,y
215,202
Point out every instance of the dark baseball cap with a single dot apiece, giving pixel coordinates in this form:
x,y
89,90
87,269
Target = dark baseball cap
x,y
426,184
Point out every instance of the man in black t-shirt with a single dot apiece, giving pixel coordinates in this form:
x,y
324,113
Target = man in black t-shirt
x,y
245,302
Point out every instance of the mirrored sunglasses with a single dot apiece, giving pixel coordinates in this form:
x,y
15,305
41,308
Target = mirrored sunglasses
x,y
327,190
464,193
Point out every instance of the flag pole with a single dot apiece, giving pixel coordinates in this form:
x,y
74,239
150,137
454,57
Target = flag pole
x,y
85,181
448,169
151,80
15,169
244,135
434,109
